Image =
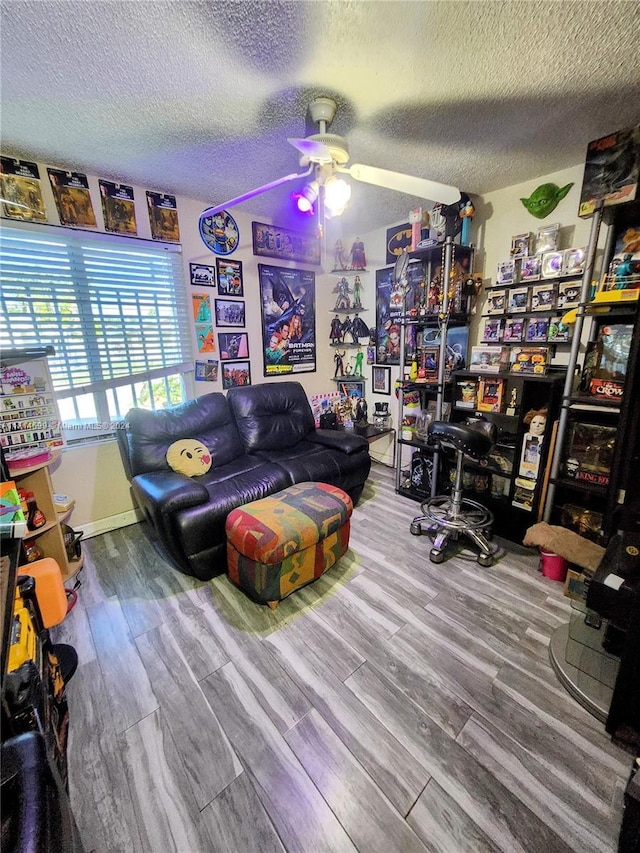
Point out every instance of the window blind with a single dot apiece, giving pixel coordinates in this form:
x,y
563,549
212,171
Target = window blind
x,y
114,309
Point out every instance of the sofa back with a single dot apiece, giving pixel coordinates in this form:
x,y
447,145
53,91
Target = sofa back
x,y
272,416
207,418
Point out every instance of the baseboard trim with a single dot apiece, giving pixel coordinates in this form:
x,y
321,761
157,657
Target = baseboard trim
x,y
112,522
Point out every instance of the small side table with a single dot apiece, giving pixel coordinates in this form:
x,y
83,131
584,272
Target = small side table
x,y
373,433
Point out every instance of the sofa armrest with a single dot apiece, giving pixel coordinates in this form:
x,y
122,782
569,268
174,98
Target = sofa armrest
x,y
168,492
338,440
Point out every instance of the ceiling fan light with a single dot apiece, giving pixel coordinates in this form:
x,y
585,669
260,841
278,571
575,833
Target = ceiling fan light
x,y
307,198
337,193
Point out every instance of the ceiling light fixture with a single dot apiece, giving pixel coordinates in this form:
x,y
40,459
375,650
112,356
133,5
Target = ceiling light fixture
x,y
337,193
307,198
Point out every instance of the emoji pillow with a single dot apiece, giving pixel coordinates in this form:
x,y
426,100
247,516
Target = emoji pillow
x,y
189,456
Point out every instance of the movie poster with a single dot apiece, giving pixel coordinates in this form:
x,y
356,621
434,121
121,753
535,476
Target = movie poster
x,y
71,194
391,304
21,191
163,217
118,208
288,320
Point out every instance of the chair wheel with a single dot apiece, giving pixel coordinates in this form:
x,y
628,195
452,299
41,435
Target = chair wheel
x,y
485,560
415,528
436,556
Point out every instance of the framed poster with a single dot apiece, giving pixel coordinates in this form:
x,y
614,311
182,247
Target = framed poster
x,y
202,274
381,379
229,277
398,238
236,373
229,313
219,233
270,241
287,297
233,346
391,303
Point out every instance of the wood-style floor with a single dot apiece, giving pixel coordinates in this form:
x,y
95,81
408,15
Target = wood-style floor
x,y
392,706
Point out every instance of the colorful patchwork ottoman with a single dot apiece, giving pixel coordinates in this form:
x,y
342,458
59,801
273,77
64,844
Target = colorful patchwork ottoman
x,y
278,544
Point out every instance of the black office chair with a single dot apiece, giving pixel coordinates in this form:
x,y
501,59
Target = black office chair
x,y
449,517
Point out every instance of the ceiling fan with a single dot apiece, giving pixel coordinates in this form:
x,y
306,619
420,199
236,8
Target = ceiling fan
x,y
326,155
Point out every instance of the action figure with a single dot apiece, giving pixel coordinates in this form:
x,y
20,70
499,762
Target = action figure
x,y
358,257
339,360
336,330
361,412
343,290
357,290
340,262
358,329
357,369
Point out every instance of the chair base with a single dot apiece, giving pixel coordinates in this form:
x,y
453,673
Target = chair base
x,y
448,523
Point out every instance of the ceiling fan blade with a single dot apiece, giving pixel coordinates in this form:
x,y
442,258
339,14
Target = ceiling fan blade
x,y
211,211
311,148
420,187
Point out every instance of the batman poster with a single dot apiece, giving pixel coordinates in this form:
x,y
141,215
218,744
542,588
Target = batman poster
x,y
288,320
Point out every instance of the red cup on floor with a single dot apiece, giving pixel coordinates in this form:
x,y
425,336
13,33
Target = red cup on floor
x,y
553,565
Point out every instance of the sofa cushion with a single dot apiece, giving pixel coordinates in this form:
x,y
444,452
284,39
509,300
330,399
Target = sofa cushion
x,y
272,416
307,462
207,419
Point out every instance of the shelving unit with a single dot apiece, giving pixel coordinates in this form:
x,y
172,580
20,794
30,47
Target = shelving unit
x,y
50,537
425,320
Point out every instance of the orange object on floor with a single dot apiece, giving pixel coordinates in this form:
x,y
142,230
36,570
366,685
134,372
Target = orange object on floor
x,y
50,591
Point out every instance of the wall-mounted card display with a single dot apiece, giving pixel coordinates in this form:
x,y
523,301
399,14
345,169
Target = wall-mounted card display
x,y
21,191
559,332
530,360
537,330
202,274
118,208
492,330
71,194
163,217
568,294
496,302
547,238
530,268
552,264
518,299
573,261
520,245
513,331
506,272
543,297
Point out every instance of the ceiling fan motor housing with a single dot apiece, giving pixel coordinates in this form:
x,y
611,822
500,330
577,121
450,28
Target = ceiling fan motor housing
x,y
337,146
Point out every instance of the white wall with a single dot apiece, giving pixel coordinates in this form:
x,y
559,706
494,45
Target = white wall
x,y
93,473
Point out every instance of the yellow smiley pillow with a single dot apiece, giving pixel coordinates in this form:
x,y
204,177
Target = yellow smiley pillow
x,y
189,456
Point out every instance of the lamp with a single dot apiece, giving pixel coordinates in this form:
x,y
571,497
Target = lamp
x,y
307,198
337,193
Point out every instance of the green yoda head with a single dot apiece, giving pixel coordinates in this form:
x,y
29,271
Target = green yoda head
x,y
544,199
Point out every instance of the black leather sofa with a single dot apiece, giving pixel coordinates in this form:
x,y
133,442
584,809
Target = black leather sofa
x,y
261,438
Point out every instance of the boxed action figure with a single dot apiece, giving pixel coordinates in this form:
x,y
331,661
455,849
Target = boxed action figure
x,y
489,359
589,453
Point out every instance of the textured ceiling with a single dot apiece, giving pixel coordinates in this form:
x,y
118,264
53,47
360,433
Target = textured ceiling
x,y
198,98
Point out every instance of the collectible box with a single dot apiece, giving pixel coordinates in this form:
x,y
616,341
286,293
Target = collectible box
x,y
492,330
530,360
543,297
552,264
506,272
520,245
547,238
537,330
513,330
518,299
606,361
585,522
466,393
559,332
530,268
496,301
573,262
589,453
568,294
490,394
489,359
611,170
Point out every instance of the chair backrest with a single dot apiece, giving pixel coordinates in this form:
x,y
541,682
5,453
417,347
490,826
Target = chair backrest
x,y
207,419
272,416
476,439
